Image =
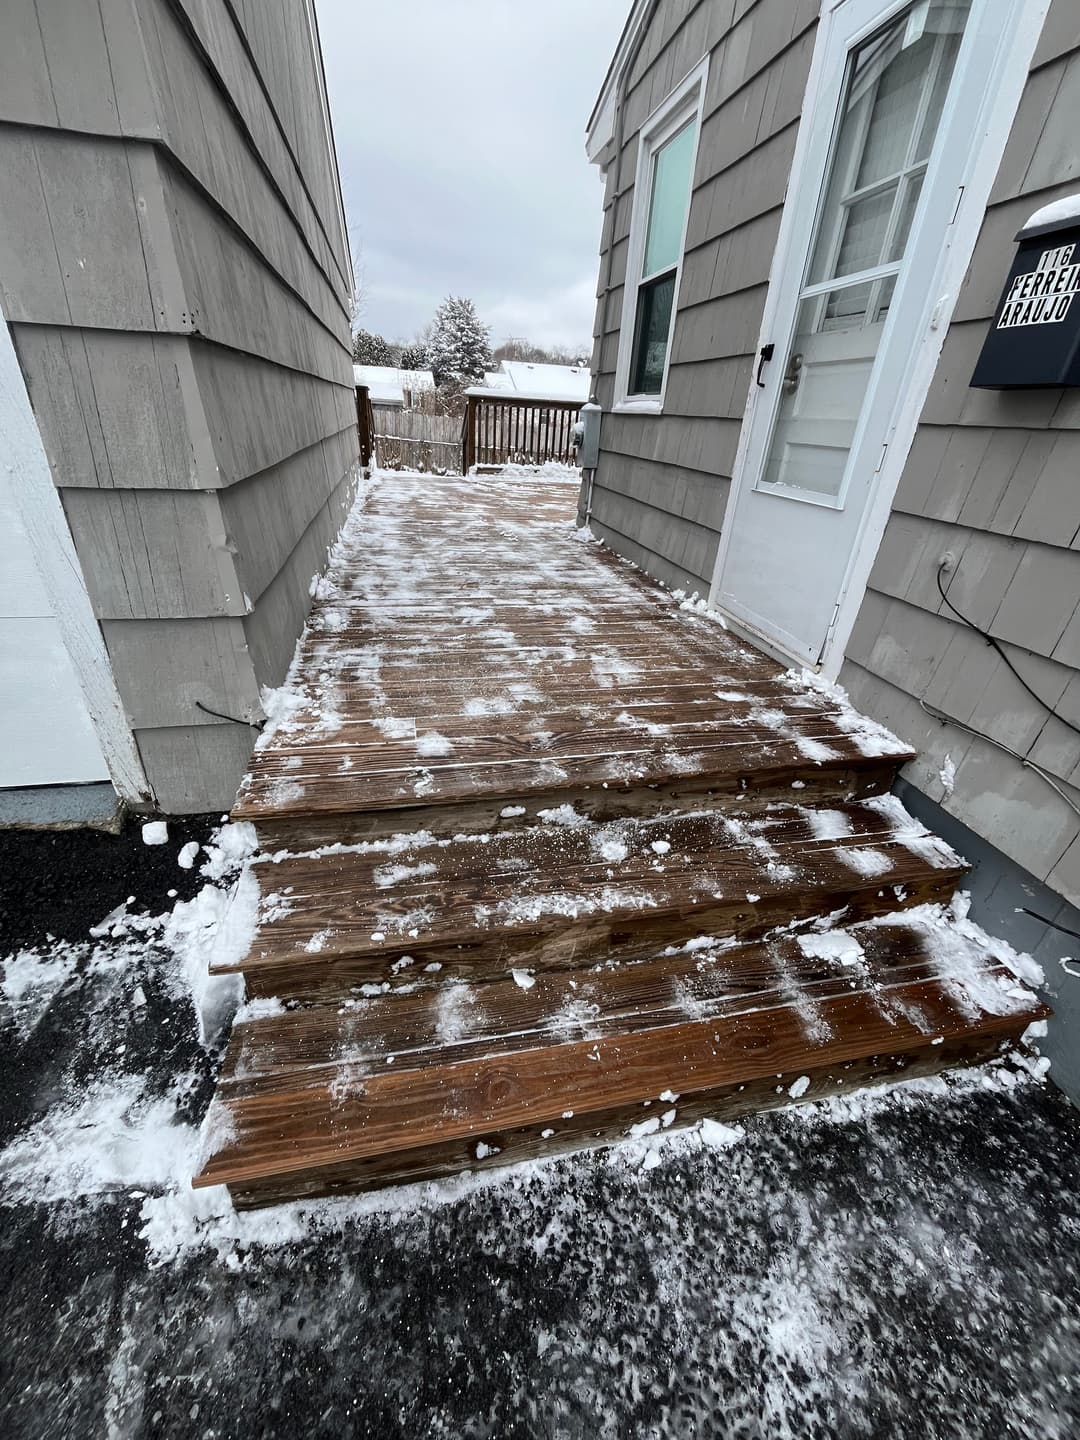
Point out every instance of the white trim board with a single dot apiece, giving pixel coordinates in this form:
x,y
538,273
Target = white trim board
x,y
993,124
600,126
42,516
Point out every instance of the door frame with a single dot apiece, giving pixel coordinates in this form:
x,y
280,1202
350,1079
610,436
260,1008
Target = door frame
x,y
994,122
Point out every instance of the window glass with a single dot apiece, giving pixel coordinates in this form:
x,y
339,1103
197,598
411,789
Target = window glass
x,y
865,224
651,333
896,90
668,201
897,84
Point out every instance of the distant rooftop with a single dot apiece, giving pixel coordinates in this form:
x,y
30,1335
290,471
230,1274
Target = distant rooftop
x,y
537,382
386,384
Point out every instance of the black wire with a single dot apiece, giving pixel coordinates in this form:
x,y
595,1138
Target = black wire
x,y
1052,923
992,642
255,724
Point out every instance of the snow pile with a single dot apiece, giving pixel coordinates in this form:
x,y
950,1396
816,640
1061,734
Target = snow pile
x,y
947,776
870,737
550,470
957,947
833,945
905,830
31,980
113,1136
216,927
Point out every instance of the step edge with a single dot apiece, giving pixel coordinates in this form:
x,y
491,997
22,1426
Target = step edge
x,y
1010,1026
293,812
870,884
659,1019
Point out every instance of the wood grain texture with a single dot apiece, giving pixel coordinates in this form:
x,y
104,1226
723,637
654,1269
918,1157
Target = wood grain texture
x,y
445,1022
624,841
505,1146
430,679
555,897
361,1115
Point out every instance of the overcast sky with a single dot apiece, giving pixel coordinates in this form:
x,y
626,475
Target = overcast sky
x,y
460,129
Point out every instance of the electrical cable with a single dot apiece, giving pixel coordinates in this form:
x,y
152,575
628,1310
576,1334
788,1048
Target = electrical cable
x,y
1052,923
944,719
992,642
254,724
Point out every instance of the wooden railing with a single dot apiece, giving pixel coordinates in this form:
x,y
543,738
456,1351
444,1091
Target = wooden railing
x,y
365,423
501,430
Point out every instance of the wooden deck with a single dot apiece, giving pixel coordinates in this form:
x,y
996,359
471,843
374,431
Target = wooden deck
x,y
586,849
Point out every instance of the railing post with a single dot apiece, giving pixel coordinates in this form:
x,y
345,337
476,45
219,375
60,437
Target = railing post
x,y
468,435
364,424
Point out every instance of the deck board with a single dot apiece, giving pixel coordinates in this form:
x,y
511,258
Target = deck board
x,y
461,600
364,1114
545,848
423,1027
554,894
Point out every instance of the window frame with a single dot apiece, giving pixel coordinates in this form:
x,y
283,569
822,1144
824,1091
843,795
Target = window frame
x,y
683,105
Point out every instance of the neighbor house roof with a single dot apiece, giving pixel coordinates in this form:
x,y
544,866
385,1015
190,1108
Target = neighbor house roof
x,y
530,381
497,380
548,382
386,384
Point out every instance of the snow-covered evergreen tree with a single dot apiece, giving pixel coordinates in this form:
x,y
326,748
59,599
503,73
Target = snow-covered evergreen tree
x,y
460,343
370,349
415,356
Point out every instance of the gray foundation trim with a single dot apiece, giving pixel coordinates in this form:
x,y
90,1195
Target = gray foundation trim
x,y
1000,890
60,807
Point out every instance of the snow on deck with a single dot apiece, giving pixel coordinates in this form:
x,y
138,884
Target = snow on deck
x,y
466,639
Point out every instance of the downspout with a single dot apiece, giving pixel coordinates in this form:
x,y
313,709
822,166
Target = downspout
x,y
620,189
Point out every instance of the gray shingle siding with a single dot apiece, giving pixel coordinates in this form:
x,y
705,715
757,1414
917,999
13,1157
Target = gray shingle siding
x,y
993,478
174,269
662,482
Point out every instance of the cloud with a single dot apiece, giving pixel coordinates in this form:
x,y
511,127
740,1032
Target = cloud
x,y
559,317
460,134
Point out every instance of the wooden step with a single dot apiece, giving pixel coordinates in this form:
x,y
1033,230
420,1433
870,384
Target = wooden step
x,y
557,895
447,773
319,1100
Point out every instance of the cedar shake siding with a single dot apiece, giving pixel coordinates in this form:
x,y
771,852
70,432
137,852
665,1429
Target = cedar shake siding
x,y
174,269
662,482
993,477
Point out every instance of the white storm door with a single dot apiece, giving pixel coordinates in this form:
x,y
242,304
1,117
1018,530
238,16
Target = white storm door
x,y
893,127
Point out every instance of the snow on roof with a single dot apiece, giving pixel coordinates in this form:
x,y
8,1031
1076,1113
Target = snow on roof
x,y
497,380
546,382
386,383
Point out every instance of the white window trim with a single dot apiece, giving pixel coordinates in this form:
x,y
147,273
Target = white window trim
x,y
685,102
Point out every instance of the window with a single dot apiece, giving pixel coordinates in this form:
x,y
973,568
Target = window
x,y
667,151
894,97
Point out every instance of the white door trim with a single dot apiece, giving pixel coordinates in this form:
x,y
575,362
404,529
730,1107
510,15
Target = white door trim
x,y
42,515
1001,98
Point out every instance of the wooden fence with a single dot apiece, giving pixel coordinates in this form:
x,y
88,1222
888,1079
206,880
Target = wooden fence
x,y
500,430
413,440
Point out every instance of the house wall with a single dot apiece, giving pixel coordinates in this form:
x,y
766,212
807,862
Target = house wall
x,y
994,478
662,482
174,269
